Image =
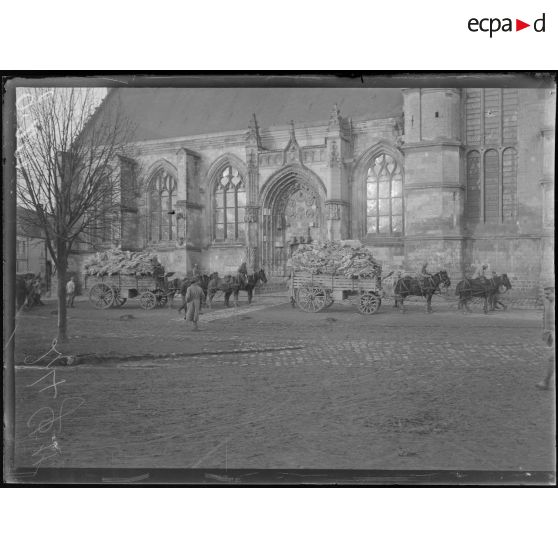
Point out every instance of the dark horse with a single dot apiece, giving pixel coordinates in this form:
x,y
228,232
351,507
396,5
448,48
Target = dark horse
x,y
426,287
487,289
232,285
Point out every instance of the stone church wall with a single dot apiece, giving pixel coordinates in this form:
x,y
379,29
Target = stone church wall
x,y
433,154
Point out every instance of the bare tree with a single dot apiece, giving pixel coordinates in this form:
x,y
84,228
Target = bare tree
x,y
67,151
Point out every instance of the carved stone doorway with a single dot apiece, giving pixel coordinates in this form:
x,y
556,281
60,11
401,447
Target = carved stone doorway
x,y
295,215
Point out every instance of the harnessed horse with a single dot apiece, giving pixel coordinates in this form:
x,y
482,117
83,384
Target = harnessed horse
x,y
234,285
481,288
425,287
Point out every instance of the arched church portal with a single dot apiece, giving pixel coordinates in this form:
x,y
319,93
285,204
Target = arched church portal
x,y
293,214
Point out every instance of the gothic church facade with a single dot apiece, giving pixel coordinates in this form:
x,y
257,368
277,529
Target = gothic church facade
x,y
452,177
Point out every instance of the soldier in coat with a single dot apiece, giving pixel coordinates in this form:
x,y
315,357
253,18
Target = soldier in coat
x,y
194,297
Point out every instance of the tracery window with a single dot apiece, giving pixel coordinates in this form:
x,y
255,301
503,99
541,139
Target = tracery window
x,y
491,132
230,206
384,197
162,201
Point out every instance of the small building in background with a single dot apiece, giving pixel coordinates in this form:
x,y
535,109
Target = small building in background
x,y
31,251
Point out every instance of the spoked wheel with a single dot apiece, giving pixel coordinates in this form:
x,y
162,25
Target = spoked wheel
x,y
148,300
311,299
118,300
161,297
101,296
369,303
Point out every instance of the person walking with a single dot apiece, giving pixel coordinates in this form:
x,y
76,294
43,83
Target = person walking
x,y
194,296
70,292
548,335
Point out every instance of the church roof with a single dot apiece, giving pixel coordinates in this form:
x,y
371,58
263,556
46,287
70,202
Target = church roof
x,y
158,113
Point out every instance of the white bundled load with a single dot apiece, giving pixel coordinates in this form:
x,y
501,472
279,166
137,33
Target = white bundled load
x,y
116,261
348,258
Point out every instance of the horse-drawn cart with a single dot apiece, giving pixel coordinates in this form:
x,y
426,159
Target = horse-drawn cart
x,y
314,293
107,291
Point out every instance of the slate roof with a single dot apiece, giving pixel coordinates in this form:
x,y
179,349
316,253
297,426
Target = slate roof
x,y
160,113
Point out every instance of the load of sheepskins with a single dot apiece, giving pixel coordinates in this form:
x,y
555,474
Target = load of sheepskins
x,y
346,257
113,262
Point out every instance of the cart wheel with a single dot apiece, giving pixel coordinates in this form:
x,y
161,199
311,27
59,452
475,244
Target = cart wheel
x,y
369,303
148,300
118,300
311,299
502,289
161,297
101,296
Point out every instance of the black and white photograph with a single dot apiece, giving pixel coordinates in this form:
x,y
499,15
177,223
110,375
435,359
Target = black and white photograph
x,y
219,280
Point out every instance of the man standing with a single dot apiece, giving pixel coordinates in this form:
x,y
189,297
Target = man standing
x,y
481,273
242,274
425,277
548,334
194,296
496,296
70,292
424,273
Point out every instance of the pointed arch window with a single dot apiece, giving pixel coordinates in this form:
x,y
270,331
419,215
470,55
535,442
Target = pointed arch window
x,y
509,184
162,201
230,206
491,136
384,197
491,186
473,200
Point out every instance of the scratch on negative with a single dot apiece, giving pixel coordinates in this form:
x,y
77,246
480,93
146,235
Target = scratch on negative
x,y
125,479
203,458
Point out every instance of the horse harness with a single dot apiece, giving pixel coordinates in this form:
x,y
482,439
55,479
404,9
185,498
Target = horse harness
x,y
407,283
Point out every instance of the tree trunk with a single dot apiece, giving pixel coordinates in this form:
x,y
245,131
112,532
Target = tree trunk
x,y
61,270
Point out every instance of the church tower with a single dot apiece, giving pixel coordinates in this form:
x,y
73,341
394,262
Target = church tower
x,y
433,189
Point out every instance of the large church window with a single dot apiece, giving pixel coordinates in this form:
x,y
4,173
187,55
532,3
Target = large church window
x,y
491,130
509,184
473,201
230,206
491,181
162,201
384,197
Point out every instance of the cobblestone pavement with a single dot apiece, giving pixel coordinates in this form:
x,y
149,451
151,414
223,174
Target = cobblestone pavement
x,y
389,391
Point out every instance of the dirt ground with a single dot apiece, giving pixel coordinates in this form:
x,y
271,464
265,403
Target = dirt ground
x,y
334,390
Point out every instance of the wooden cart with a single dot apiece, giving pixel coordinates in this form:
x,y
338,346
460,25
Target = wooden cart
x,y
113,290
314,293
